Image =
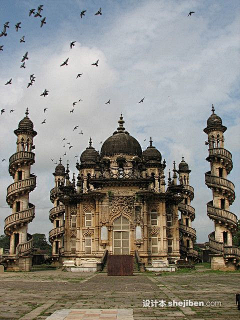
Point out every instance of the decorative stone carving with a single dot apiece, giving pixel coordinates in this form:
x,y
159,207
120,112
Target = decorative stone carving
x,y
73,233
88,207
122,205
154,231
88,232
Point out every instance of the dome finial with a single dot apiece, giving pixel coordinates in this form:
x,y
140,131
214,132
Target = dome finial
x,y
26,113
60,161
90,142
151,141
182,158
213,109
121,122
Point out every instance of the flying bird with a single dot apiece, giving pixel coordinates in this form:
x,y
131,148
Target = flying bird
x,y
11,110
45,109
80,132
45,93
71,111
6,25
3,160
52,160
63,139
95,64
8,82
82,13
18,26
99,12
29,84
141,100
32,77
44,121
43,21
2,110
65,154
74,103
79,75
23,65
190,13
72,44
1,48
75,128
38,15
31,11
40,8
22,39
25,57
65,63
80,100
3,33
70,147
108,102
68,143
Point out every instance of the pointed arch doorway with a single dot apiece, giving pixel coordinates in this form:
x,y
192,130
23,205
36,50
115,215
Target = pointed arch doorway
x,y
121,236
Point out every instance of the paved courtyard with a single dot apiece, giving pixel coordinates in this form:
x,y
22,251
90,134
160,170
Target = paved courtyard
x,y
54,294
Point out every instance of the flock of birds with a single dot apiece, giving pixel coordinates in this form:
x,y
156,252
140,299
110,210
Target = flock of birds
x,y
38,13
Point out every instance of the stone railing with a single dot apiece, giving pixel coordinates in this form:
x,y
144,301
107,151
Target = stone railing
x,y
232,251
189,230
26,247
20,217
221,214
21,155
214,245
56,232
219,182
222,152
187,208
21,185
56,211
188,187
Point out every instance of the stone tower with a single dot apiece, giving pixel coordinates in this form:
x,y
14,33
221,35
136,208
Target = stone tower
x,y
56,214
224,255
23,212
187,233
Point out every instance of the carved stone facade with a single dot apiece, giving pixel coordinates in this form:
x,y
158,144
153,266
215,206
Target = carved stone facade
x,y
120,203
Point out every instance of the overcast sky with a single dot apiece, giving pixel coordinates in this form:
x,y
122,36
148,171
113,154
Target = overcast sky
x,y
181,64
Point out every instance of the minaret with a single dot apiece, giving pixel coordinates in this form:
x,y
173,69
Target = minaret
x,y
225,256
56,214
23,212
187,233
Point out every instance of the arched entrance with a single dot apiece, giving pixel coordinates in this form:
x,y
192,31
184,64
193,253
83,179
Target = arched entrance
x,y
121,236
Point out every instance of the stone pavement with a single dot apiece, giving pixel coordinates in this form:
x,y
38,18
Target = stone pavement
x,y
39,294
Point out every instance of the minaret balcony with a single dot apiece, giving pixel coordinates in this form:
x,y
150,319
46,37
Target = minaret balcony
x,y
55,233
189,231
56,211
17,188
21,217
54,193
215,246
187,209
223,155
189,190
222,215
231,252
222,184
20,158
24,248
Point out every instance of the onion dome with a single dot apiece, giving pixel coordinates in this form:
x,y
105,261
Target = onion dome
x,y
214,123
60,169
90,155
25,126
151,154
183,166
121,142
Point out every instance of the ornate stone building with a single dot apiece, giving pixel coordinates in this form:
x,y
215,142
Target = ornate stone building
x,y
224,254
120,204
23,212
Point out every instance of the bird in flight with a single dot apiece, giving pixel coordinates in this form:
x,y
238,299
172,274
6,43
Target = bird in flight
x,y
141,100
38,15
70,147
63,139
40,8
1,48
31,11
190,13
82,13
72,44
76,156
6,25
3,160
95,63
11,110
79,75
3,33
71,111
8,82
74,103
80,132
108,102
2,110
65,154
99,12
65,63
18,26
44,121
22,39
45,109
45,93
23,65
25,57
43,21
68,143
29,84
80,100
75,128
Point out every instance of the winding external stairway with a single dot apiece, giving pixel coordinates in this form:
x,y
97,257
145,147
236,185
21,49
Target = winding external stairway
x,y
224,254
23,212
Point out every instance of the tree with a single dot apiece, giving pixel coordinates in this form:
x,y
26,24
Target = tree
x,y
236,238
40,242
4,242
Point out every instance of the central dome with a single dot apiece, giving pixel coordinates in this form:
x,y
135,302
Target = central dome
x,y
121,143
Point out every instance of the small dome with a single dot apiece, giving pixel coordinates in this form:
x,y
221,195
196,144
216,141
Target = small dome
x,y
121,142
60,169
90,155
183,166
25,125
214,122
151,154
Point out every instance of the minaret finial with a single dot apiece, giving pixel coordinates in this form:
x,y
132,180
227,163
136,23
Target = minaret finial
x,y
26,113
182,158
213,109
90,142
60,161
121,122
151,141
